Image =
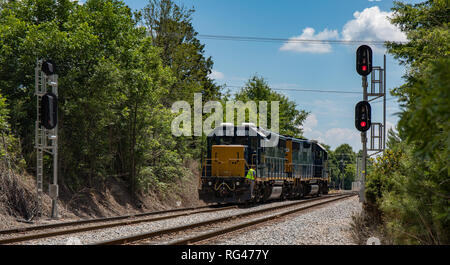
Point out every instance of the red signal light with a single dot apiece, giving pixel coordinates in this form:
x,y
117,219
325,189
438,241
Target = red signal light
x,y
364,61
363,115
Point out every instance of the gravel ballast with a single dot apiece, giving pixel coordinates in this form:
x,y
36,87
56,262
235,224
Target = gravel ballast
x,y
328,225
115,232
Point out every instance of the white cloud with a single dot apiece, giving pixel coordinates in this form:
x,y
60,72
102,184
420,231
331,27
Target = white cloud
x,y
333,137
372,25
390,125
296,45
216,75
336,136
310,123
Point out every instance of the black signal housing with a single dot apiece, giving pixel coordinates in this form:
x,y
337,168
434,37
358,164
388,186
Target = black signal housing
x,y
363,116
364,60
49,111
48,67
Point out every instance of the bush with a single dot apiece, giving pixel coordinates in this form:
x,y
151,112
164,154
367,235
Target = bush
x,y
407,195
17,201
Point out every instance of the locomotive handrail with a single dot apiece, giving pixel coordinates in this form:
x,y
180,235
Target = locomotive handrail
x,y
308,174
272,165
205,164
310,168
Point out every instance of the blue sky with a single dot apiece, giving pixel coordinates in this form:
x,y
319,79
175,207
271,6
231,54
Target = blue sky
x,y
301,66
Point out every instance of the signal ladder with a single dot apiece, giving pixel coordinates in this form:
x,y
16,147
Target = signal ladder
x,y
42,81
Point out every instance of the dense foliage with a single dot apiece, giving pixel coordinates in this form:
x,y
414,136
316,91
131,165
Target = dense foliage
x,y
10,155
172,31
115,86
410,184
342,166
119,74
4,111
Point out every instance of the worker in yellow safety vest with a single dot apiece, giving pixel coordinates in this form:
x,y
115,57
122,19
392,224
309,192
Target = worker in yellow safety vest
x,y
251,174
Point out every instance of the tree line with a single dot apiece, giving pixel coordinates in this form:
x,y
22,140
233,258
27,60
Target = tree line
x,y
408,189
119,73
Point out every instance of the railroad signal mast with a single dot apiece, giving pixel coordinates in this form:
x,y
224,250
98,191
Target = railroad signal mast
x,y
363,110
46,135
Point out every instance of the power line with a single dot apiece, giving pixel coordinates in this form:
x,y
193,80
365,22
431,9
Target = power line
x,y
316,91
293,40
379,101
304,90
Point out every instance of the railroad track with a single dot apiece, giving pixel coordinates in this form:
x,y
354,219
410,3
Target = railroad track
x,y
10,236
181,235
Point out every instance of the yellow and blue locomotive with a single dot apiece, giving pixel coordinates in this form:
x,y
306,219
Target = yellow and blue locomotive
x,y
291,168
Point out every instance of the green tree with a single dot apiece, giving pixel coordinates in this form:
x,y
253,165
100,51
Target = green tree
x,y
342,164
291,119
112,84
10,156
425,95
410,185
170,25
4,113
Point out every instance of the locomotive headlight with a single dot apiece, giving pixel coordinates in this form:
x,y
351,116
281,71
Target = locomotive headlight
x,y
237,183
210,183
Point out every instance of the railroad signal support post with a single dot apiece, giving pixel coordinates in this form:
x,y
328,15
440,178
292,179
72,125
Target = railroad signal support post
x,y
46,134
364,145
364,67
378,90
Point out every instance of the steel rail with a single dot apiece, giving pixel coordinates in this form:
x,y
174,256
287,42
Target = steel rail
x,y
108,225
146,235
97,220
211,234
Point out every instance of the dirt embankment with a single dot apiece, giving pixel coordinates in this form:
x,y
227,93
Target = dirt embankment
x,y
19,201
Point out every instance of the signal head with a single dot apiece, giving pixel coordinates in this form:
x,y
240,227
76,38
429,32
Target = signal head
x,y
49,111
364,60
363,113
48,67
